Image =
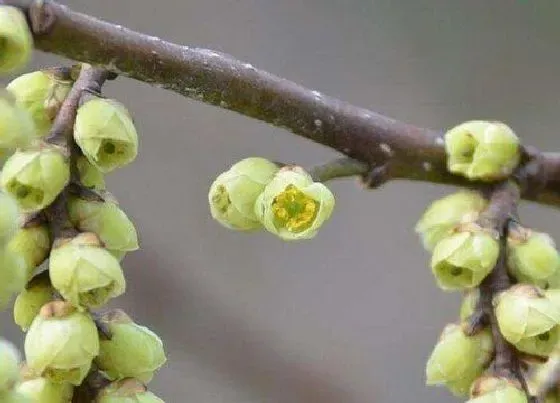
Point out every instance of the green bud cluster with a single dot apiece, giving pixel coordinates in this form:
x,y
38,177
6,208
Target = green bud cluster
x,y
464,251
63,265
255,193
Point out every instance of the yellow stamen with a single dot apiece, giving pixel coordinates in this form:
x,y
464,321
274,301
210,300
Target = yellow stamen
x,y
294,210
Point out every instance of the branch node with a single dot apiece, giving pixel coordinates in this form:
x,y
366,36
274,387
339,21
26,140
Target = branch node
x,y
377,176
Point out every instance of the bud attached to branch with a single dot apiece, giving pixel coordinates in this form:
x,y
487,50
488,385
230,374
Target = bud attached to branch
x,y
532,254
233,194
105,132
457,359
482,150
85,273
465,258
29,302
445,214
16,41
41,94
107,220
35,177
292,206
133,351
61,343
33,244
528,319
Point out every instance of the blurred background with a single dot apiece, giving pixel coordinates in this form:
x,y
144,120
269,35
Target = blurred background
x,y
352,315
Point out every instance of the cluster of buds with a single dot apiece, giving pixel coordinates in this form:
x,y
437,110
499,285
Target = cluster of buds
x,y
61,251
465,251
256,193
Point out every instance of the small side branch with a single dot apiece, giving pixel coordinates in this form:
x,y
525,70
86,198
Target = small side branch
x,y
502,208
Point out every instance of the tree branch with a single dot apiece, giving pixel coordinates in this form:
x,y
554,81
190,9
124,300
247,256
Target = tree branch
x,y
90,80
404,151
501,209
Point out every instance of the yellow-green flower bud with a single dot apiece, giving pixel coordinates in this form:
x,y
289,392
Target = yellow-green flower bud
x,y
29,302
528,319
489,389
42,390
16,41
12,275
9,217
61,343
127,391
464,259
32,244
105,132
41,94
133,351
468,306
532,254
90,176
85,273
445,214
16,125
35,177
107,220
482,150
292,206
458,357
233,194
9,366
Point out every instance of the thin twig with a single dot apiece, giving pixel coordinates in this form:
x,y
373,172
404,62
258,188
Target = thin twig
x,y
337,169
90,79
401,150
502,207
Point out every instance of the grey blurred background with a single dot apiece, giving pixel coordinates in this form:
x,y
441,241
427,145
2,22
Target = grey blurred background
x,y
352,315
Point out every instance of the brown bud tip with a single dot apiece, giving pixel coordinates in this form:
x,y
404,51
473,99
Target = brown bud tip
x,y
130,387
526,290
89,238
56,309
117,316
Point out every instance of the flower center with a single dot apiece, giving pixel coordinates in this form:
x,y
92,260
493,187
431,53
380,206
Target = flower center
x,y
294,210
456,271
468,149
220,199
96,296
22,192
109,148
544,336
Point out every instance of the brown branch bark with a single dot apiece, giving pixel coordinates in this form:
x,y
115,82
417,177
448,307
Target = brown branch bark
x,y
394,150
502,208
